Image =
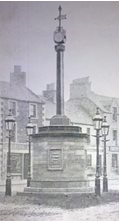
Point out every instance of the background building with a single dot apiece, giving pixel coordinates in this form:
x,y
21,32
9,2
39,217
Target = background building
x,y
23,102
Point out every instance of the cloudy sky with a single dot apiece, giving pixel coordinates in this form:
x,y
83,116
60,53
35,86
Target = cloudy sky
x,y
92,47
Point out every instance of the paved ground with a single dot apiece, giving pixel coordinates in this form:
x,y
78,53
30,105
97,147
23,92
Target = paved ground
x,y
37,213
30,208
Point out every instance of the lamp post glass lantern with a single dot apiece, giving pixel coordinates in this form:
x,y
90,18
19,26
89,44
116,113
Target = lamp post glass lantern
x,y
97,120
97,126
105,132
10,124
29,129
105,127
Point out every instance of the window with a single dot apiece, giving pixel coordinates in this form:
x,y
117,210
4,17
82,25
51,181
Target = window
x,y
115,136
19,164
33,110
88,133
35,129
115,114
16,163
13,107
114,161
89,160
14,133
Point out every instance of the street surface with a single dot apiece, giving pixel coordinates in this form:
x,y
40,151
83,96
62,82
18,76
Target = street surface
x,y
19,211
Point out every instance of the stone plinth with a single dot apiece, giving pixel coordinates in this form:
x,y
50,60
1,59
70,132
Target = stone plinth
x,y
59,159
60,120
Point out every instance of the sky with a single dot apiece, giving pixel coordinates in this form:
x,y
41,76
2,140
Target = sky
x,y
92,46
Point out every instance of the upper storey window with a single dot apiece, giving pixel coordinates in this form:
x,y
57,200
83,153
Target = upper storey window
x,y
115,137
13,107
115,114
33,110
88,132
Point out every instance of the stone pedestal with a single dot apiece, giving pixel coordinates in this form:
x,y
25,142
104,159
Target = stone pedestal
x,y
60,120
59,160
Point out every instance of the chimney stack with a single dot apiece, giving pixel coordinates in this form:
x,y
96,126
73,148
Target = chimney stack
x,y
18,77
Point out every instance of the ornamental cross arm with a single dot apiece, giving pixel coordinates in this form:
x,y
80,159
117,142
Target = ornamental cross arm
x,y
61,17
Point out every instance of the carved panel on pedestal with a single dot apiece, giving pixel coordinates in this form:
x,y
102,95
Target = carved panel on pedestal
x,y
55,159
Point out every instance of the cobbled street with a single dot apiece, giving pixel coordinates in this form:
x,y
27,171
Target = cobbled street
x,y
34,212
30,208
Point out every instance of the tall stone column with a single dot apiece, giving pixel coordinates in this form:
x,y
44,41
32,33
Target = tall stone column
x,y
60,80
60,39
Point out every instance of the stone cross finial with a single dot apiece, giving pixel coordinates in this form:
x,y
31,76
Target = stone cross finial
x,y
60,17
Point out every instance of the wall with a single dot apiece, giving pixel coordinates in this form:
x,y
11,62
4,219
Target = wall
x,y
59,162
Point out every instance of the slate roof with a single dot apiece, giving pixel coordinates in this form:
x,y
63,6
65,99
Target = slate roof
x,y
105,101
95,98
16,92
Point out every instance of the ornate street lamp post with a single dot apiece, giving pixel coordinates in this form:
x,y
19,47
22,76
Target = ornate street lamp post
x,y
29,129
105,132
10,123
97,125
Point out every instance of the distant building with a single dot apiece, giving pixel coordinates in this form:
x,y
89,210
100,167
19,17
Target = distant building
x,y
81,108
50,93
23,102
49,98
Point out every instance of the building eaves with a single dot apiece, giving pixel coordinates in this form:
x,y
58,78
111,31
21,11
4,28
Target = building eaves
x,y
106,101
16,92
96,100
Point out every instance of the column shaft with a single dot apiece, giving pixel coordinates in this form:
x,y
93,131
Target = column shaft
x,y
60,80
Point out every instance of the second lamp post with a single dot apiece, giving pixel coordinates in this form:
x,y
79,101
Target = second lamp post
x,y
97,125
29,129
105,131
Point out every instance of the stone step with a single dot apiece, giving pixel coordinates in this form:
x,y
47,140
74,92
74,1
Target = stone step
x,y
58,190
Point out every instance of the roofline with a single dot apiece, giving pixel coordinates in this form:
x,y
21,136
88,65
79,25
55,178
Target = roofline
x,y
108,97
31,101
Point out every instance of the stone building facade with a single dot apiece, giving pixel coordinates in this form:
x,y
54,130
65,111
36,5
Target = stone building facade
x,y
23,102
81,108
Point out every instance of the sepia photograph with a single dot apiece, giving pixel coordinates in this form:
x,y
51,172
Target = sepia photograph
x,y
59,110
